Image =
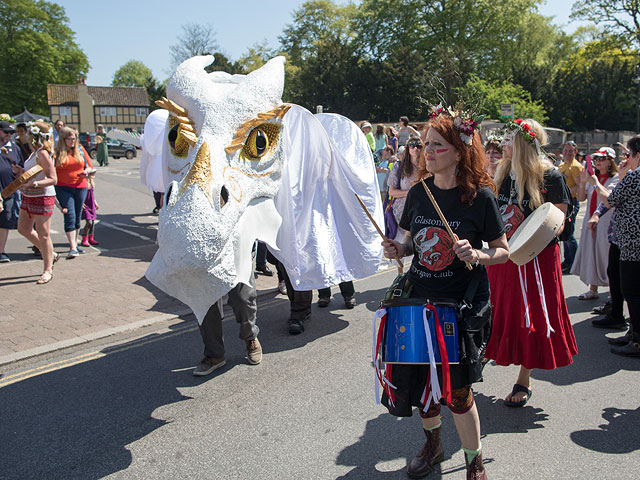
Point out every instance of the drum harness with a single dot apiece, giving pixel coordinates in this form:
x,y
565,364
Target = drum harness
x,y
402,288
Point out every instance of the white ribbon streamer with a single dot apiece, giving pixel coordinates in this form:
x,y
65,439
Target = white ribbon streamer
x,y
523,289
435,393
536,269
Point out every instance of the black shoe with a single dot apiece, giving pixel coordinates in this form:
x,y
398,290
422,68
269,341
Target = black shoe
x,y
155,211
566,270
324,302
631,349
621,341
295,326
610,322
349,302
603,309
36,251
265,270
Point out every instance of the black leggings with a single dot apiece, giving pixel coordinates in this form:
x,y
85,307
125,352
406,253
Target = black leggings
x,y
629,274
613,272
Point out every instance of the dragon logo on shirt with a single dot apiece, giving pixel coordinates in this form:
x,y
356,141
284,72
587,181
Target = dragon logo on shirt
x,y
512,217
435,248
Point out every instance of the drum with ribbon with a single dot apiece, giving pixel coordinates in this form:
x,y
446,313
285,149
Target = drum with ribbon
x,y
415,331
535,233
413,328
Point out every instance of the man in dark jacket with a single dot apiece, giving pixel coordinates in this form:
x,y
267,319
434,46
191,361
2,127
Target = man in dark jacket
x,y
10,154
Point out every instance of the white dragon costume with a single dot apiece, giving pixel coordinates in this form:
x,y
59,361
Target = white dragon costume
x,y
241,165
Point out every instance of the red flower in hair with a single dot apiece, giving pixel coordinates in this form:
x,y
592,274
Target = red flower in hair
x,y
526,127
518,121
532,135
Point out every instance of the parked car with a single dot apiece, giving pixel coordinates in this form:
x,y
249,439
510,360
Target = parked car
x,y
88,141
117,149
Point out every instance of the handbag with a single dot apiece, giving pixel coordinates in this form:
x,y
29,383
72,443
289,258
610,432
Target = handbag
x,y
390,222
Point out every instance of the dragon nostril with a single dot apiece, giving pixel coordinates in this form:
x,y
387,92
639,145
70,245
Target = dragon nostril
x,y
224,196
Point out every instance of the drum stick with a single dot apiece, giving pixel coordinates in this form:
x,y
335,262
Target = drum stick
x,y
444,220
366,210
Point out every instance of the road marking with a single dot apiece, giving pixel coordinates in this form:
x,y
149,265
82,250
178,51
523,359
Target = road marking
x,y
59,365
135,234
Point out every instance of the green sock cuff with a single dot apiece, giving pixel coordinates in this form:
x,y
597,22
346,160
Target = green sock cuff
x,y
431,429
471,454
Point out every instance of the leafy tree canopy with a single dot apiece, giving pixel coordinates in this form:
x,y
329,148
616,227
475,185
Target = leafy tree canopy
x,y
617,17
38,48
132,74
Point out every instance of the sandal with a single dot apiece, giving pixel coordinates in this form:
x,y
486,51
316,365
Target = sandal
x,y
46,277
589,295
516,389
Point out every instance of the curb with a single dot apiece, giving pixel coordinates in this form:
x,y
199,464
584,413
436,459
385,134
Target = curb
x,y
72,342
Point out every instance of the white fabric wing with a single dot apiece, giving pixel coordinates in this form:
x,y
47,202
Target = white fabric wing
x,y
155,132
325,237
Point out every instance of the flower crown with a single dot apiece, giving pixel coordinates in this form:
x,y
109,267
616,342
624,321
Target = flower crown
x,y
523,129
466,122
35,131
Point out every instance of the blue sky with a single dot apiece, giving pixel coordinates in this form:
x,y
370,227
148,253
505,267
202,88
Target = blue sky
x,y
113,32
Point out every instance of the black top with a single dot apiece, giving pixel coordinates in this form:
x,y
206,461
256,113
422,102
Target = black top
x,y
435,268
13,155
553,189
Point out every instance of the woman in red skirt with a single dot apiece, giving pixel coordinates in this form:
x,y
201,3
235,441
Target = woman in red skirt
x,y
541,337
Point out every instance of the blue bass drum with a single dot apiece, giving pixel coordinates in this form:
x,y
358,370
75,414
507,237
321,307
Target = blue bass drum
x,y
404,338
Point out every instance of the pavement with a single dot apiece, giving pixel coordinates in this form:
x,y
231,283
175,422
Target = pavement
x,y
101,293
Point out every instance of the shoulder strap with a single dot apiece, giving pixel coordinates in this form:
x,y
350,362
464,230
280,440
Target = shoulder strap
x,y
86,164
470,292
399,173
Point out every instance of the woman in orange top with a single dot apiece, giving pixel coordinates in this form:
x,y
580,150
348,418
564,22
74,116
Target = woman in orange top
x,y
73,164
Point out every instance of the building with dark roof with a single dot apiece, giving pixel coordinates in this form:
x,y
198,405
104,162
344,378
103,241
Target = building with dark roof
x,y
83,107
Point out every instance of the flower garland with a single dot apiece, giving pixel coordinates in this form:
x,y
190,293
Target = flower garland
x,y
35,130
524,129
466,122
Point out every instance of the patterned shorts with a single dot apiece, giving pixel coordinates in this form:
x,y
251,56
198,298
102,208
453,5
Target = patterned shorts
x,y
38,205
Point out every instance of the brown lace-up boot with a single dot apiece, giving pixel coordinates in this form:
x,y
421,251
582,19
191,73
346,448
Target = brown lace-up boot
x,y
475,469
431,454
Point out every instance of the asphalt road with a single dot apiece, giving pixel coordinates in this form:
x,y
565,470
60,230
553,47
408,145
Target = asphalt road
x,y
124,218
130,407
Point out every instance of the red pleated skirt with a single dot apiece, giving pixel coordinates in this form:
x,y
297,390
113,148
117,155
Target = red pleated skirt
x,y
511,341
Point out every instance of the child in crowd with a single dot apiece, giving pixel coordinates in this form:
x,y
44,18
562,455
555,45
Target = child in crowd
x,y
89,212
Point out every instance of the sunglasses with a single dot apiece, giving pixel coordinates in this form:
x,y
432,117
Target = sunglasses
x,y
414,145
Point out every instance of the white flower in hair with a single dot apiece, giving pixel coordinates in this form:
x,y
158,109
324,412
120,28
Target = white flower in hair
x,y
34,129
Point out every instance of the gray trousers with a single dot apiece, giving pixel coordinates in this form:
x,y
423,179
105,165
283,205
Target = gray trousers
x,y
242,299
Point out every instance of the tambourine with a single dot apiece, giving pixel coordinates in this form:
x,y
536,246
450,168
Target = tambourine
x,y
20,180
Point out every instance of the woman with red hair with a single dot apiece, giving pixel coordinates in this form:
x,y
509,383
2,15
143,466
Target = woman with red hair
x,y
454,157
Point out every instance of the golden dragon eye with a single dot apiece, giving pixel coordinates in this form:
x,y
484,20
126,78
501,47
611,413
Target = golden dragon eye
x,y
179,146
260,141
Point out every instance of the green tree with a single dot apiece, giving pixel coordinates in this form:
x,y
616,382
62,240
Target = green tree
x,y
594,89
136,74
255,57
132,74
314,22
37,48
489,96
221,63
618,17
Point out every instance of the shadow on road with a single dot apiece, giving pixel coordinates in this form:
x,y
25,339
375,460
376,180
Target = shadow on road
x,y
76,422
620,436
594,359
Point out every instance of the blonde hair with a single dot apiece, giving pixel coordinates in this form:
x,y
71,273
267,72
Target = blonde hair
x,y
61,149
528,164
46,141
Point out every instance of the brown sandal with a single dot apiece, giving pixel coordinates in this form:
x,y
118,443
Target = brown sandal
x,y
46,277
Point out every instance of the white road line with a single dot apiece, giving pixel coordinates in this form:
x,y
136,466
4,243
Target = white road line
x,y
135,234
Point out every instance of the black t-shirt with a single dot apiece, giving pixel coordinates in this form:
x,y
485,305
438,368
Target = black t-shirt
x,y
435,268
553,189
